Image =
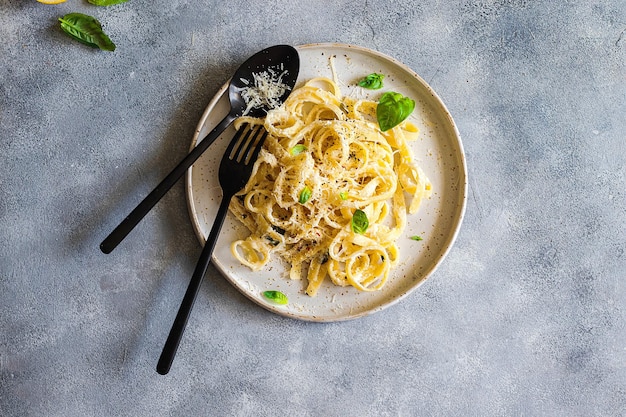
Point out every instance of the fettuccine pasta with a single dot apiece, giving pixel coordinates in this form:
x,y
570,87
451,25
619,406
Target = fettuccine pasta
x,y
324,159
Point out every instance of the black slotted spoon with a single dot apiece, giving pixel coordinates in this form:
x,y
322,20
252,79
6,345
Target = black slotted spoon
x,y
234,172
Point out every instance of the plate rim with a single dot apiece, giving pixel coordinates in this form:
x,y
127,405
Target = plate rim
x,y
446,247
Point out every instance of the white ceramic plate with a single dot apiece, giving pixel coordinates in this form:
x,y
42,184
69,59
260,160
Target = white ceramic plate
x,y
438,151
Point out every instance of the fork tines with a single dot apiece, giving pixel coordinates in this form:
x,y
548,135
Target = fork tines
x,y
247,140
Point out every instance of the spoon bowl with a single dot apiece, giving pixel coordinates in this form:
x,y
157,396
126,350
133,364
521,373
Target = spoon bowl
x,y
280,64
281,61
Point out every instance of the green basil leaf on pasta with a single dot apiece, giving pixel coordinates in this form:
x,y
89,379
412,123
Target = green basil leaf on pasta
x,y
373,81
106,2
298,149
305,195
359,223
392,109
86,29
343,195
276,296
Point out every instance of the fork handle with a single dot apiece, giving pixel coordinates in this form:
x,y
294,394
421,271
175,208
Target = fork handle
x,y
135,216
180,322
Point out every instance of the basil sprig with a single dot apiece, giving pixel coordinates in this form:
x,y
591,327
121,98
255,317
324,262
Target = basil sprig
x,y
106,2
298,149
276,296
305,195
359,223
392,109
373,81
86,29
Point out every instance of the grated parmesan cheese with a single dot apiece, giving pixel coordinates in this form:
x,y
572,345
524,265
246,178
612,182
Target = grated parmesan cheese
x,y
268,88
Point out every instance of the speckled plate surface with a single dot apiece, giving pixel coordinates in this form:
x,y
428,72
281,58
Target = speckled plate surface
x,y
438,151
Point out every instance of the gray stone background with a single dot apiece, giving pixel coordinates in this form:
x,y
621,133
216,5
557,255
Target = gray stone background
x,y
524,318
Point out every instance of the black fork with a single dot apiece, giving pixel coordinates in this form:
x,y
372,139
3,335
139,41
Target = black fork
x,y
234,172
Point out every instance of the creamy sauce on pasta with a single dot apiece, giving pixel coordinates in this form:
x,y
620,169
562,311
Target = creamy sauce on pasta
x,y
324,159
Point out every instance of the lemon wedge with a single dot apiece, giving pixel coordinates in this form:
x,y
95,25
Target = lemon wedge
x,y
51,1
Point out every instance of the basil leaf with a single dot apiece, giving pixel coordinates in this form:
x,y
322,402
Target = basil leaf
x,y
373,81
343,195
392,109
276,296
416,237
87,30
298,149
359,223
305,195
106,2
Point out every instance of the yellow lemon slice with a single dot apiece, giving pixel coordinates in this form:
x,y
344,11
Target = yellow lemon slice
x,y
51,1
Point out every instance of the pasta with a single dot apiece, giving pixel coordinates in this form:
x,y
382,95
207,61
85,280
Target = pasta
x,y
325,159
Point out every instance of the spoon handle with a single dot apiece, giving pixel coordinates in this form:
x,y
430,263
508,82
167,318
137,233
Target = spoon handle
x,y
180,322
135,216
